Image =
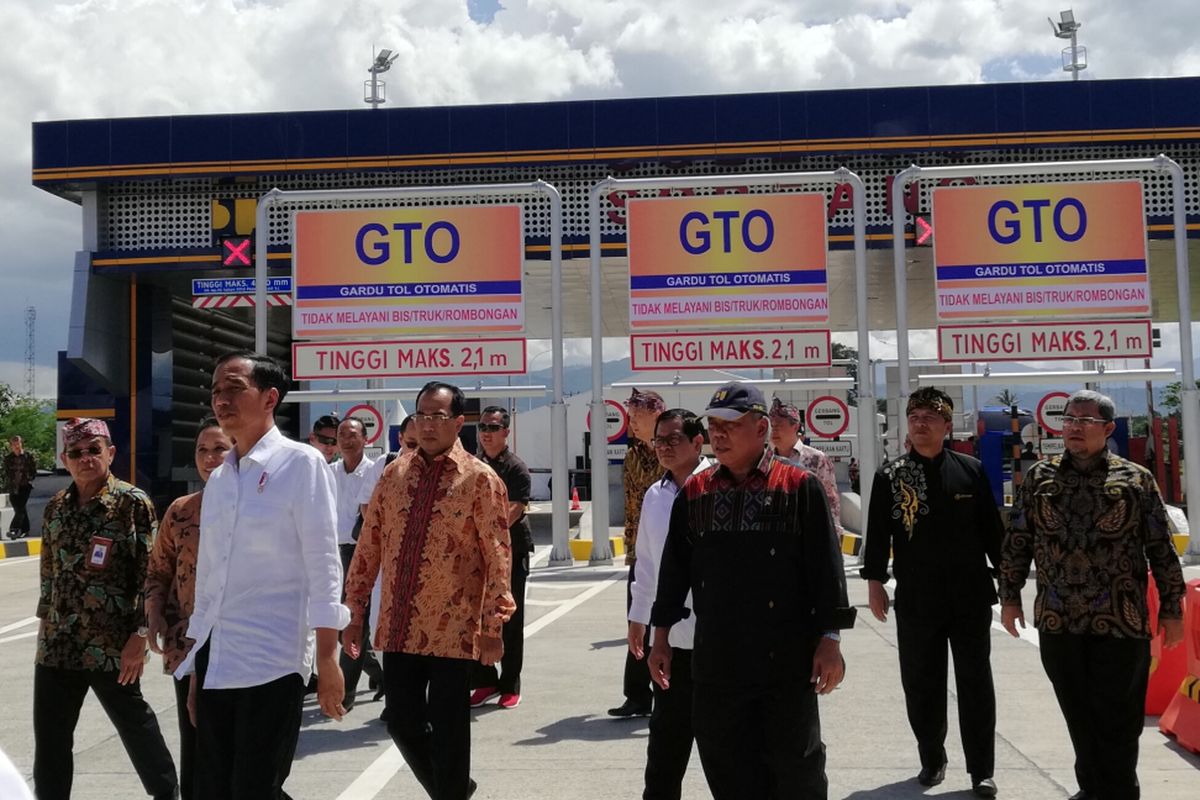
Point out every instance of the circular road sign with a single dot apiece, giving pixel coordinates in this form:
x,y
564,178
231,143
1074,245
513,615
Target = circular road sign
x,y
828,417
1050,410
616,420
371,419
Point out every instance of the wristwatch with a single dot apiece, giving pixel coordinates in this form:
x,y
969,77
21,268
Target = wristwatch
x,y
143,631
833,636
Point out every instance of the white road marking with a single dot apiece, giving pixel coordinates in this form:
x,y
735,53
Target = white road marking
x,y
15,625
16,562
1027,634
29,635
371,782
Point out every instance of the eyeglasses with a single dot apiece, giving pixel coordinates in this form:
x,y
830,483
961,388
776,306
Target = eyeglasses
x,y
673,440
329,440
1067,419
491,427
434,418
76,453
926,419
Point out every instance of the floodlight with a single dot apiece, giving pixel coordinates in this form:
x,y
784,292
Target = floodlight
x,y
1068,17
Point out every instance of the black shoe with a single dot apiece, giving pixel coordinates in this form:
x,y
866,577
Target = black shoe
x,y
984,787
348,704
385,715
372,684
630,709
1082,794
312,685
931,776
471,787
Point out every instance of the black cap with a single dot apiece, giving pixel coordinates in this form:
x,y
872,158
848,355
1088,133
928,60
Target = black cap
x,y
733,400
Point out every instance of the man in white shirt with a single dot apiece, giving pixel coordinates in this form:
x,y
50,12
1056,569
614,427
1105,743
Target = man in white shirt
x,y
678,438
350,475
268,574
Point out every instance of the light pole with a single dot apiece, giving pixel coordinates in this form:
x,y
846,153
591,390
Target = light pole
x,y
375,90
1074,58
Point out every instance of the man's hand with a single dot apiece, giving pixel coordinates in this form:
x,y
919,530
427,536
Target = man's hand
x,y
491,650
157,625
191,698
133,660
1011,615
1172,631
637,640
660,659
828,666
352,638
878,599
331,688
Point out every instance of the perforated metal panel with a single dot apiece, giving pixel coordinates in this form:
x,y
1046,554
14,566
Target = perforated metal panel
x,y
153,215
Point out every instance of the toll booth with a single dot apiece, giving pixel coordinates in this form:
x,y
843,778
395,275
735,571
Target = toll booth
x,y
167,208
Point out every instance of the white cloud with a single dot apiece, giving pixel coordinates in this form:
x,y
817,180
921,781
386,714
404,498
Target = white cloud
x,y
119,58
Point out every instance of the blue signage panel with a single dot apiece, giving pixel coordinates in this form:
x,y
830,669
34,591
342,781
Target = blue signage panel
x,y
207,286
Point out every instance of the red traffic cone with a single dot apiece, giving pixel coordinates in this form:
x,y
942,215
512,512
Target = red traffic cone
x,y
575,506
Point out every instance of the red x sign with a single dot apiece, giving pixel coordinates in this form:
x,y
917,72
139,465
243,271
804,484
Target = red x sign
x,y
235,251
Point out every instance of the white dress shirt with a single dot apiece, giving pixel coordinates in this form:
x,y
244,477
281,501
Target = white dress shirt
x,y
371,480
268,570
349,486
651,539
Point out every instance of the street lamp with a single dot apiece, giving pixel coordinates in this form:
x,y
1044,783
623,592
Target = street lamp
x,y
1074,58
375,90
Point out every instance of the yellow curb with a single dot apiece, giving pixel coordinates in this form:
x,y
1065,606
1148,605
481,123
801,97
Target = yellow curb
x,y
581,549
21,548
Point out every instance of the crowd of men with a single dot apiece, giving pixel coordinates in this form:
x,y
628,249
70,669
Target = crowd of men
x,y
416,564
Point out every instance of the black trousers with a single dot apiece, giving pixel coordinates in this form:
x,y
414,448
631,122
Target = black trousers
x,y
760,742
1100,682
429,719
20,498
508,679
353,668
187,741
669,747
246,738
637,685
58,696
923,672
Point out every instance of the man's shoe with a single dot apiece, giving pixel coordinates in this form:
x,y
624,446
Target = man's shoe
x,y
481,696
984,787
471,787
630,709
1082,794
931,776
510,700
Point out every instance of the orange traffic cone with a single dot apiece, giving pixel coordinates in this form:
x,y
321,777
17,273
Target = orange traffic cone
x,y
575,506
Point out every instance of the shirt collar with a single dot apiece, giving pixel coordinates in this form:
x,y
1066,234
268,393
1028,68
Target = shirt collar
x,y
763,466
262,451
457,455
110,484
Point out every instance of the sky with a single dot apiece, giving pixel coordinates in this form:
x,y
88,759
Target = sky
x,y
122,58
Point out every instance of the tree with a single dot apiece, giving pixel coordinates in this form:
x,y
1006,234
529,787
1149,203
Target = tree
x,y
1172,398
1006,398
31,419
839,352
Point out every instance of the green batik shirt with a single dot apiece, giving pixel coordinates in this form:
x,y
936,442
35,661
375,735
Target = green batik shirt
x,y
93,572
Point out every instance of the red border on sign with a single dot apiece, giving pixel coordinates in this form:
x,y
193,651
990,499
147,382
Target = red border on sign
x,y
633,338
1041,420
378,416
1063,357
624,420
822,399
328,343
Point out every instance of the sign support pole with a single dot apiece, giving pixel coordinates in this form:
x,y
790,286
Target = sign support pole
x,y
1160,163
558,409
601,553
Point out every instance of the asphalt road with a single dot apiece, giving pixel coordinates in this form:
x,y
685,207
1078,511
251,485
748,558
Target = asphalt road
x,y
560,745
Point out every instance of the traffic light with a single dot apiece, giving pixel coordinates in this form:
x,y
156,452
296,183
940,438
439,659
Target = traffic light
x,y
1155,338
236,251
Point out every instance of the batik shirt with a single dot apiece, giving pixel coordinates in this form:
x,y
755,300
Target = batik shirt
x,y
816,462
1091,532
438,532
641,471
171,574
93,570
19,470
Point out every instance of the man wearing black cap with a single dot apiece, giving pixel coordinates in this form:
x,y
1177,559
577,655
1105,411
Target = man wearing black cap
x,y
934,509
753,540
